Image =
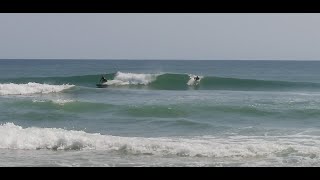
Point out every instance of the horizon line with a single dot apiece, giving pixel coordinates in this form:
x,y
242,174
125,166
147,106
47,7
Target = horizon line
x,y
121,59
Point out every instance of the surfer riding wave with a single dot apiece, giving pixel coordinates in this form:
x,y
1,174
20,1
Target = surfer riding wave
x,y
103,80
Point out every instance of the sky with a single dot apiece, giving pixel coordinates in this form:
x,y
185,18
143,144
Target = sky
x,y
207,36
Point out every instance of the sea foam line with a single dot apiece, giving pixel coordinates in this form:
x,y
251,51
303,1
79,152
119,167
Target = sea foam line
x,y
31,88
16,137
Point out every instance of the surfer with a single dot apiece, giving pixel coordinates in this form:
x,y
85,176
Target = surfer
x,y
103,79
196,78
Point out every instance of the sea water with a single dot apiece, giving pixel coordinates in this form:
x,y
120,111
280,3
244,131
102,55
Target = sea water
x,y
153,113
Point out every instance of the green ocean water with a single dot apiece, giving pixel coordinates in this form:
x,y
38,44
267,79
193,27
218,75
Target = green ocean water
x,y
153,113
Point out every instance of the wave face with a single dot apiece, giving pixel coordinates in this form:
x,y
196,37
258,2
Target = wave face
x,y
169,81
31,88
185,82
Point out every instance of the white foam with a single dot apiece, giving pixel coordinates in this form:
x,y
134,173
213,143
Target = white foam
x,y
16,137
31,88
62,101
55,101
192,81
38,101
132,79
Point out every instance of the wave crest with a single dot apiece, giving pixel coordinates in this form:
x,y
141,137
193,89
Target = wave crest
x,y
170,81
132,79
33,138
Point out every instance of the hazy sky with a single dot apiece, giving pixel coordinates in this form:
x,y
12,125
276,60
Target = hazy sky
x,y
160,36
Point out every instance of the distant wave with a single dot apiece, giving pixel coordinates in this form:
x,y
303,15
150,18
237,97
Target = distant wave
x,y
34,138
31,88
170,81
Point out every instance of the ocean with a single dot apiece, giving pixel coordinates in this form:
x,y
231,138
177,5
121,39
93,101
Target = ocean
x,y
153,113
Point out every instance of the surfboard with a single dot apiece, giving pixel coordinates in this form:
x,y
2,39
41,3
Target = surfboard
x,y
102,85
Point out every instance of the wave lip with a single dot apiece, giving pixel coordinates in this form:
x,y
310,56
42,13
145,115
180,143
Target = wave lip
x,y
31,88
132,79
